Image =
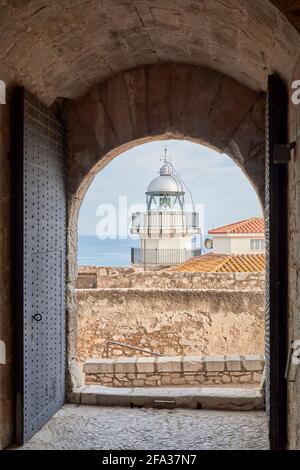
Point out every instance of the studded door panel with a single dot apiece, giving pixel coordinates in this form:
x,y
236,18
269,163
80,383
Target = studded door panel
x,y
42,217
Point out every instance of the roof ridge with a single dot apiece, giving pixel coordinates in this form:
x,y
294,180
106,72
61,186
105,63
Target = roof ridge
x,y
251,225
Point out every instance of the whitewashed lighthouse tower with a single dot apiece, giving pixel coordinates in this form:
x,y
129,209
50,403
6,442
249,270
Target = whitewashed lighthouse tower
x,y
166,230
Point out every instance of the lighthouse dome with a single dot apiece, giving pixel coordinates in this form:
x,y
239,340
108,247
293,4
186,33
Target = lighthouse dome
x,y
165,184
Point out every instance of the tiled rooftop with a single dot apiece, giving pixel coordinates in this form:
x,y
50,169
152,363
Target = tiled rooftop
x,y
252,225
223,263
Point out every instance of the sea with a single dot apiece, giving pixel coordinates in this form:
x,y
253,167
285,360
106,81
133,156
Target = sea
x,y
105,252
93,251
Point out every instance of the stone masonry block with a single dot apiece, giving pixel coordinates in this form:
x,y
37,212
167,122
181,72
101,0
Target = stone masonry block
x,y
214,363
125,366
138,383
192,363
233,363
226,379
245,379
178,380
120,376
200,379
169,364
99,366
166,380
256,377
145,365
253,363
91,379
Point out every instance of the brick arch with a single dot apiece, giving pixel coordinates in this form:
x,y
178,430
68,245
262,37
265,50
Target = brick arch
x,y
151,103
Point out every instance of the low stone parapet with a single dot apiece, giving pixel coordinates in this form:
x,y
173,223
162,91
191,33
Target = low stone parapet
x,y
175,371
91,277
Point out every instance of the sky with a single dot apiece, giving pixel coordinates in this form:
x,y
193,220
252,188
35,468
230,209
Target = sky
x,y
220,188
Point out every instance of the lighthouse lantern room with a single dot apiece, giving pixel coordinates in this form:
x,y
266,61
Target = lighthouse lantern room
x,y
167,231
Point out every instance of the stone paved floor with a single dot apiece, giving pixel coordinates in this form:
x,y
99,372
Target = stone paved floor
x,y
91,427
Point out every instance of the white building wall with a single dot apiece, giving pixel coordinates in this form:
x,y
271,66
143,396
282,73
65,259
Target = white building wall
x,y
241,246
178,243
222,245
236,245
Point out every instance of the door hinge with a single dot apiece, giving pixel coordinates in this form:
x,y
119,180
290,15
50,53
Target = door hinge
x,y
293,360
282,152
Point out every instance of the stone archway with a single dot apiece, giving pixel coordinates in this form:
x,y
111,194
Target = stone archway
x,y
155,102
57,50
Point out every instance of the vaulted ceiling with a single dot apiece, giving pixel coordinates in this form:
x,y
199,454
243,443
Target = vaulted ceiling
x,y
60,48
291,9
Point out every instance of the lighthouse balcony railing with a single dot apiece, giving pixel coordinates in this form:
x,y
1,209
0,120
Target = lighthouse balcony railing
x,y
162,257
164,221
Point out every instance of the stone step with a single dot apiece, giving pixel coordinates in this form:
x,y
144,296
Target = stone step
x,y
207,398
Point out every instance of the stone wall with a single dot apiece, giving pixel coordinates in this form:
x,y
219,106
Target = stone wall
x,y
170,321
174,371
90,277
6,320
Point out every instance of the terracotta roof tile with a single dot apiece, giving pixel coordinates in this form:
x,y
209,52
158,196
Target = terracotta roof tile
x,y
223,263
252,225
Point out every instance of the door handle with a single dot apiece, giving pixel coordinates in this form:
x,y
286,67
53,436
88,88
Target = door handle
x,y
37,317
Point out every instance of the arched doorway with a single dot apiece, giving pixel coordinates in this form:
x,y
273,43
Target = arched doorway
x,y
171,327
236,127
199,117
251,68
155,102
125,111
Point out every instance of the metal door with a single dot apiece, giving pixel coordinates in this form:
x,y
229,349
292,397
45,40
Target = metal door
x,y
277,255
40,262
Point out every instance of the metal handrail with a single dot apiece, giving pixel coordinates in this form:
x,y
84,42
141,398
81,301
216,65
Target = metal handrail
x,y
167,219
123,345
163,257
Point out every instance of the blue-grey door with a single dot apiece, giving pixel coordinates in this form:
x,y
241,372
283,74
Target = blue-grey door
x,y
40,262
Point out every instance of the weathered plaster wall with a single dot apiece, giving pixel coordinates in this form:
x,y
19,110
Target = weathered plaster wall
x,y
171,322
6,323
107,277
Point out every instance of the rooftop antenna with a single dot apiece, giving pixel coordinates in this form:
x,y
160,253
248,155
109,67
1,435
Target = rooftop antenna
x,y
165,158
